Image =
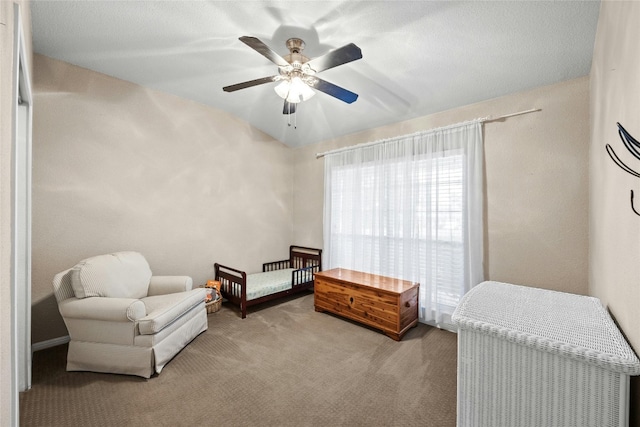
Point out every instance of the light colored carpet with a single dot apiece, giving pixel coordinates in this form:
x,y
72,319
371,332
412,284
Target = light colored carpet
x,y
284,365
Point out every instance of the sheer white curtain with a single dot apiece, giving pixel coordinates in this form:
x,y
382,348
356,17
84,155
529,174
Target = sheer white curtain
x,y
410,208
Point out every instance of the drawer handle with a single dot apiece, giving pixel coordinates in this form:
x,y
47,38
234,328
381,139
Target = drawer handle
x,y
407,304
351,300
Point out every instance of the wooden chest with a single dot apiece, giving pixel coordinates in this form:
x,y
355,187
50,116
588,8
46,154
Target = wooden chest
x,y
384,303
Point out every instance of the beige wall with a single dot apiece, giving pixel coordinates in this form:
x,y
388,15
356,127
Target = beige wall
x,y
121,167
614,230
614,261
536,169
6,154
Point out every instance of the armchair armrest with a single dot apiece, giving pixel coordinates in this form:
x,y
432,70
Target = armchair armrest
x,y
102,308
162,285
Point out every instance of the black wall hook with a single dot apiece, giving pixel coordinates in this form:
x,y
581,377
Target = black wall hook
x,y
632,207
634,148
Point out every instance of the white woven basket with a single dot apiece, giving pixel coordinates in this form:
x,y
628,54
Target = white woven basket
x,y
534,357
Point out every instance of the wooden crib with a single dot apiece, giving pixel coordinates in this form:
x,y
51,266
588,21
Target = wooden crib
x,y
277,280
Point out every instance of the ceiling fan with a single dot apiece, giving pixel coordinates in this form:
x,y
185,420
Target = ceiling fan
x,y
297,73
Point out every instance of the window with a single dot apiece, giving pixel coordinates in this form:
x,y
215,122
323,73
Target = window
x,y
401,212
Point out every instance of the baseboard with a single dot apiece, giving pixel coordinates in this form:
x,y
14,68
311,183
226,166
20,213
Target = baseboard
x,y
49,343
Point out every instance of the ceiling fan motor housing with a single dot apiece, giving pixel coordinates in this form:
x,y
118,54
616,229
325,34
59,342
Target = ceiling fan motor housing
x,y
295,58
295,45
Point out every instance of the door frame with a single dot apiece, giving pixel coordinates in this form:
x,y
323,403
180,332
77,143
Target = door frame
x,y
21,177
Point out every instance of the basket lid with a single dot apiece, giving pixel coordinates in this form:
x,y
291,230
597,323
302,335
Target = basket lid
x,y
574,326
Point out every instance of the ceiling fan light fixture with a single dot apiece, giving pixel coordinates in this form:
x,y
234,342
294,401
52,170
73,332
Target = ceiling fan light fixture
x,y
282,89
294,90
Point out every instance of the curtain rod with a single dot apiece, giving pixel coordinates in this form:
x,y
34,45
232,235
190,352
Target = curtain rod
x,y
519,113
481,120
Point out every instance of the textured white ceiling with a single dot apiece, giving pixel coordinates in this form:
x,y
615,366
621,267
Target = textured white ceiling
x,y
419,57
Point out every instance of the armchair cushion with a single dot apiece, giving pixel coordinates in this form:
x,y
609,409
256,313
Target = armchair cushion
x,y
117,275
164,309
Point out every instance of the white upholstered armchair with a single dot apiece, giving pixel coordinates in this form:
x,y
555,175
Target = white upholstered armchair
x,y
123,320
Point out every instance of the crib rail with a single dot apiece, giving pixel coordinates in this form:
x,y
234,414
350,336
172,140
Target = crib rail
x,y
303,276
276,265
303,257
300,257
232,283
